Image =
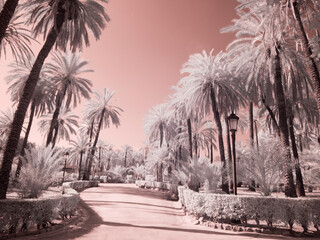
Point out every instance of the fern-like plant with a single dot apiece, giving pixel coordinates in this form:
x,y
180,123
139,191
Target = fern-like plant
x,y
40,170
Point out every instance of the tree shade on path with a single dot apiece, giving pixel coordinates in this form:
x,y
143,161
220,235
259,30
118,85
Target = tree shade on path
x,y
123,211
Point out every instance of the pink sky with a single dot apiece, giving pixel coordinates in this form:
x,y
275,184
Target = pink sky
x,y
141,52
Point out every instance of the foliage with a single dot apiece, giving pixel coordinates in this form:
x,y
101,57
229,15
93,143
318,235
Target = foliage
x,y
263,164
64,71
17,37
81,17
199,171
67,123
310,166
158,156
40,169
140,171
158,125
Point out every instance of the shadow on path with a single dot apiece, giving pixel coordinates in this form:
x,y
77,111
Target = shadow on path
x,y
98,202
115,224
145,192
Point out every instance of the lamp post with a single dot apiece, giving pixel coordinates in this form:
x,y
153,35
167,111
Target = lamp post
x,y
66,155
233,125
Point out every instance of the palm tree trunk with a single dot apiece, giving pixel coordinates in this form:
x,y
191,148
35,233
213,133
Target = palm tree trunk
x,y
54,121
91,132
125,159
229,164
195,146
211,152
310,62
251,181
216,116
190,136
161,133
251,122
271,114
299,180
5,16
283,126
56,131
23,104
25,140
93,149
80,163
88,156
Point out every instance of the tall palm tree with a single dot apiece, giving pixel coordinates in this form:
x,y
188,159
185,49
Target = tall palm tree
x,y
294,11
41,101
209,88
79,148
127,152
273,64
178,103
102,111
16,37
7,10
203,135
66,124
64,71
158,126
63,22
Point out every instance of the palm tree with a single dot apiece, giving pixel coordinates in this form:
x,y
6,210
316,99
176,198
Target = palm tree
x,y
203,135
158,125
68,21
66,124
64,71
178,103
127,152
102,111
274,63
209,87
17,38
79,148
41,100
6,14
291,12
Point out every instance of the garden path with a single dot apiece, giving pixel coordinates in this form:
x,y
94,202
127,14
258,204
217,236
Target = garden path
x,y
123,211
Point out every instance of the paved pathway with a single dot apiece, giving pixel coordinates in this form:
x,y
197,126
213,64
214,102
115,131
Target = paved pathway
x,y
123,211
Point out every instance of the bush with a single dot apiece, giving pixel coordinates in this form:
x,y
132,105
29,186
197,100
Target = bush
x,y
263,164
232,208
39,170
199,172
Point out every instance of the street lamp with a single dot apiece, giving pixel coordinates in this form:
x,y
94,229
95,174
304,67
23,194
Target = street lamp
x,y
233,126
66,155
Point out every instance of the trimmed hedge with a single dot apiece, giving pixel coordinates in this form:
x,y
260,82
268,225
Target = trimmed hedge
x,y
221,207
160,185
19,214
77,185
